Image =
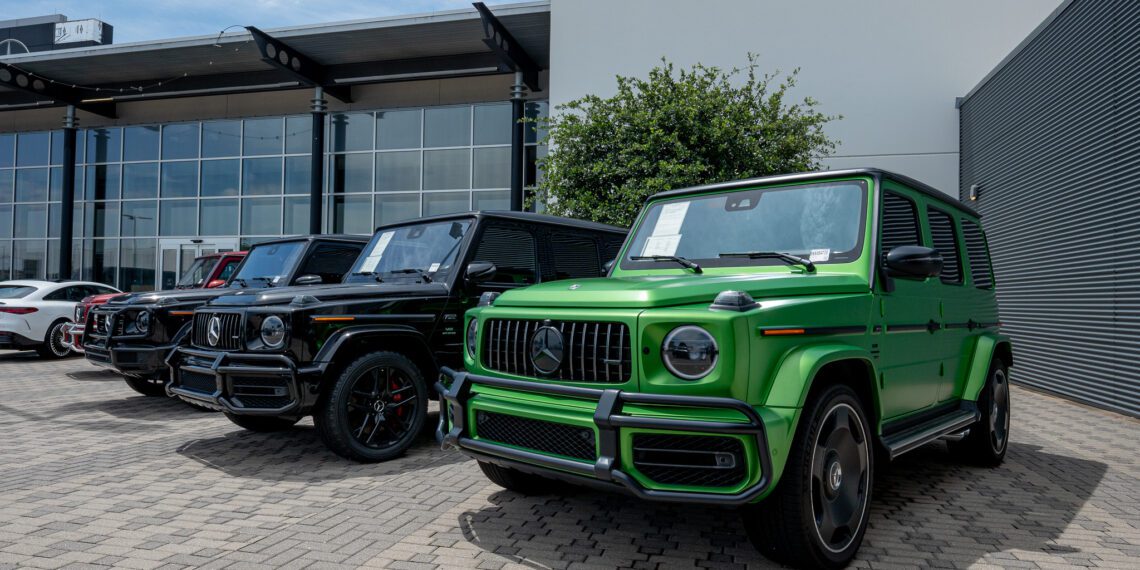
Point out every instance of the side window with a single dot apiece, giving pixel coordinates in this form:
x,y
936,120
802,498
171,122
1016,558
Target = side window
x,y
611,247
103,290
944,238
228,269
574,256
981,271
900,223
331,261
72,293
512,252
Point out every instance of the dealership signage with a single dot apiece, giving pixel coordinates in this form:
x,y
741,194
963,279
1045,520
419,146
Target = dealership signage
x,y
79,31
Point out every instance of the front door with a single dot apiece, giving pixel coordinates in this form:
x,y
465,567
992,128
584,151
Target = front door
x,y
176,256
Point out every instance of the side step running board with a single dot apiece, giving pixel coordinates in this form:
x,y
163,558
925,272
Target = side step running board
x,y
926,432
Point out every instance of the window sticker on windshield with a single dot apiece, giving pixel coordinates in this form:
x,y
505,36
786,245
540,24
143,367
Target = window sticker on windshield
x,y
377,252
433,268
820,255
661,245
670,220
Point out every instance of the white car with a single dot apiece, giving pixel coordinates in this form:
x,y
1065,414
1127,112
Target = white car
x,y
33,313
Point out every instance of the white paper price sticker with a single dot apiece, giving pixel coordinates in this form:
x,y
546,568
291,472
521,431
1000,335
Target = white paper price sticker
x,y
670,220
820,255
661,245
377,252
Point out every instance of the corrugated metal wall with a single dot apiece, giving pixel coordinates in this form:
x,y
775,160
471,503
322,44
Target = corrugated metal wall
x,y
1053,142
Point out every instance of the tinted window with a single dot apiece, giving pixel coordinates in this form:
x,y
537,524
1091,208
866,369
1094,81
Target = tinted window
x,y
945,240
331,261
981,272
574,256
512,252
15,291
269,263
228,269
900,222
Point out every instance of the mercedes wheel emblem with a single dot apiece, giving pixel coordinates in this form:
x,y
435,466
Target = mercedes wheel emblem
x,y
214,332
546,350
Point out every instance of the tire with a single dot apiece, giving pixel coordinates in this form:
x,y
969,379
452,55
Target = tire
x,y
988,439
515,480
146,386
375,409
825,489
53,348
262,424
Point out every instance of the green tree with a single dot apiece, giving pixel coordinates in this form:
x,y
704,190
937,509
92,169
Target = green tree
x,y
673,130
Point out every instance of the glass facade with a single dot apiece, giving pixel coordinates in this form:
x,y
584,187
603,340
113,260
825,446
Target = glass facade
x,y
245,180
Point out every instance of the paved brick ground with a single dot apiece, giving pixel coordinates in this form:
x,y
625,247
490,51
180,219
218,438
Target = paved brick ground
x,y
93,475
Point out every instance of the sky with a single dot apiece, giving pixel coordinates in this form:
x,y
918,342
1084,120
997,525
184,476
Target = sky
x,y
141,20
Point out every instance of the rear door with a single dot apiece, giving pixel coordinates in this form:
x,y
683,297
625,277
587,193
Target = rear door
x,y
954,298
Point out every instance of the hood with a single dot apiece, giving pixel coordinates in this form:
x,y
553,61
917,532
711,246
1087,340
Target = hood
x,y
100,299
173,297
327,293
647,291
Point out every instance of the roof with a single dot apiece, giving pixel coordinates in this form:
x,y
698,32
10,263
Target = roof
x,y
375,50
311,237
525,217
876,173
40,283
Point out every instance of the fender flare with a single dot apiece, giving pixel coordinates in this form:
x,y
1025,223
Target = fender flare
x,y
985,347
338,339
798,369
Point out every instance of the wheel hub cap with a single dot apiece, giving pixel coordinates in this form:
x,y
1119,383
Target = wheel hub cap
x,y
834,476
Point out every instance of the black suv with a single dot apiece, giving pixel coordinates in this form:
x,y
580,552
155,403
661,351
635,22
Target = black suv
x,y
358,357
133,334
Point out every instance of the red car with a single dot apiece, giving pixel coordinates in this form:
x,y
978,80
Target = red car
x,y
207,272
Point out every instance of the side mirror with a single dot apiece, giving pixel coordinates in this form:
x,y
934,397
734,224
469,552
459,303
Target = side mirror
x,y
608,266
913,262
480,271
215,283
308,280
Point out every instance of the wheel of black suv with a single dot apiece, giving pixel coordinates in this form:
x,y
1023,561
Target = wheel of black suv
x,y
146,386
262,423
515,480
988,439
53,342
375,410
816,516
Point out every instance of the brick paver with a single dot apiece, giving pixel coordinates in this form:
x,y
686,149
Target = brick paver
x,y
92,475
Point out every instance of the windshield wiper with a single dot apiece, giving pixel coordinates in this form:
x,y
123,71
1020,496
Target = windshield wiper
x,y
675,258
373,274
268,280
423,274
785,257
241,282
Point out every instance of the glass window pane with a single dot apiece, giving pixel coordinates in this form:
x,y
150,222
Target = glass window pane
x,y
7,178
30,259
447,169
296,215
53,220
221,138
101,219
55,184
103,260
104,145
496,200
140,143
448,126
179,217
532,171
350,173
218,217
398,129
32,185
261,176
180,179
351,131
397,171
220,177
436,203
298,174
138,261
139,218
57,147
103,182
7,150
298,135
262,136
352,214
536,131
5,220
493,124
180,141
140,180
492,167
5,260
31,220
396,207
32,149
261,216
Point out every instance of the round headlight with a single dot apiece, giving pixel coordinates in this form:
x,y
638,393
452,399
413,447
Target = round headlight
x,y
142,321
472,331
273,331
689,352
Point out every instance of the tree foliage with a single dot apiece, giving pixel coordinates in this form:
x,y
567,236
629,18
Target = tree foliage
x,y
672,130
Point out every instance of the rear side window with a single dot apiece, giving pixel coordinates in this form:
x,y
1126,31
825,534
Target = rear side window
x,y
15,291
944,238
228,269
512,252
900,222
574,256
981,272
331,261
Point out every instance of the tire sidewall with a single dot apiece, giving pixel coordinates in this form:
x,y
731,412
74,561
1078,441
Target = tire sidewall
x,y
53,342
338,402
986,402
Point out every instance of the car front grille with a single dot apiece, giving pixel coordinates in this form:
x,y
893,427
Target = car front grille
x,y
105,323
591,351
230,337
198,382
550,437
260,392
690,460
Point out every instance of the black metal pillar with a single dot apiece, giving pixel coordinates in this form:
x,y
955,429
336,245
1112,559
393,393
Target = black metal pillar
x,y
316,182
518,149
67,201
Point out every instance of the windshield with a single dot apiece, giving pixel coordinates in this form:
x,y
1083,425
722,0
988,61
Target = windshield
x,y
422,251
820,222
269,264
15,291
196,274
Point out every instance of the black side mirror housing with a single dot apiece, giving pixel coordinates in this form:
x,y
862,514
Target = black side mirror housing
x,y
608,266
480,271
913,262
308,280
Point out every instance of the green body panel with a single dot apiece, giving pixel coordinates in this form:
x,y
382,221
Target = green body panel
x,y
978,367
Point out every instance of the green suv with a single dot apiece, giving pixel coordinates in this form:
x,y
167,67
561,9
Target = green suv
x,y
758,343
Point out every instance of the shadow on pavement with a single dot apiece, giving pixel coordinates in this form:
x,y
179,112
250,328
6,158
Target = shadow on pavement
x,y
95,374
134,408
921,501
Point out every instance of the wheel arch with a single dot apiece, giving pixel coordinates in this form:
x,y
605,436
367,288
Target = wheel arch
x,y
347,344
810,369
987,346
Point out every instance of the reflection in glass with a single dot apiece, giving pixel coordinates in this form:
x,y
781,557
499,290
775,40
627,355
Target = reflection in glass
x,y
180,179
398,129
7,178
140,180
447,169
296,215
139,218
352,214
140,143
262,136
32,185
298,174
7,150
103,182
350,173
492,167
55,185
32,149
104,145
495,200
220,177
180,141
351,131
447,126
261,216
30,259
532,172
436,203
218,217
221,138
5,220
5,260
298,135
537,111
493,124
138,261
396,207
101,219
57,148
104,260
178,217
261,176
397,171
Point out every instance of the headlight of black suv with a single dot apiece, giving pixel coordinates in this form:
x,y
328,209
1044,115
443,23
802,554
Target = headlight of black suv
x,y
273,332
137,322
689,352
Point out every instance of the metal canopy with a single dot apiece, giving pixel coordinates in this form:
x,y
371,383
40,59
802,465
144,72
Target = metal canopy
x,y
512,55
294,62
440,44
40,87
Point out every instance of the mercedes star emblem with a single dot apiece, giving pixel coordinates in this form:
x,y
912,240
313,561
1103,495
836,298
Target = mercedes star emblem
x,y
546,350
214,333
574,286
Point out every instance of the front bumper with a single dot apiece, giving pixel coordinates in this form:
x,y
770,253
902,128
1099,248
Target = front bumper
x,y
240,382
608,420
147,361
73,337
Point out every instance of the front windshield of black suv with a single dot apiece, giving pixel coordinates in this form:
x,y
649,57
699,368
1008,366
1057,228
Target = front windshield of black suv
x,y
823,223
426,252
269,265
